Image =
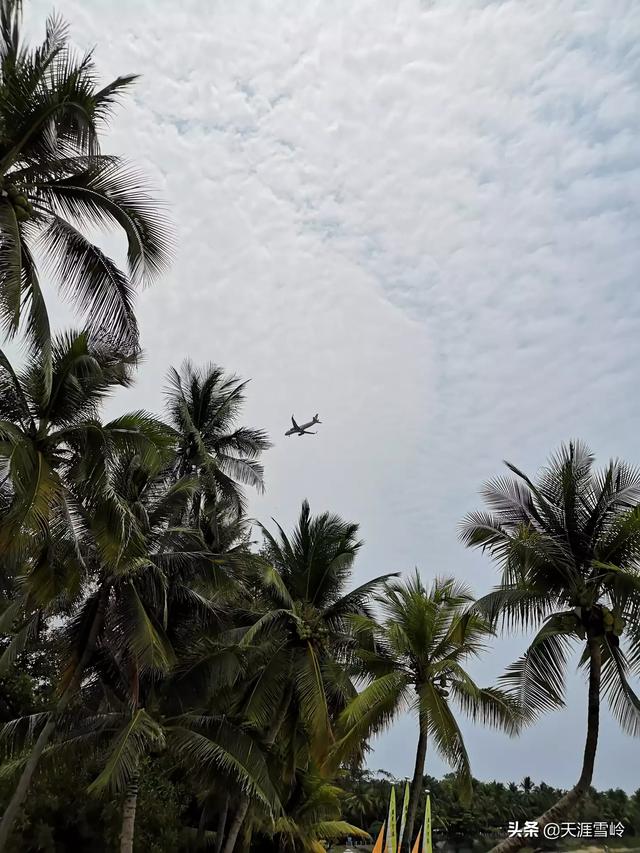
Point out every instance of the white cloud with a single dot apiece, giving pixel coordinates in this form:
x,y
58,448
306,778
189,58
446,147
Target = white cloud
x,y
420,220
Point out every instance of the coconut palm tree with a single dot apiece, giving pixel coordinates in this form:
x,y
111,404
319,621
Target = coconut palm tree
x,y
568,546
55,183
87,545
157,637
204,405
143,709
51,435
141,680
302,615
423,642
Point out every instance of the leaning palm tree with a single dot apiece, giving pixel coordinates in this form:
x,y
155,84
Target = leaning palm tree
x,y
55,184
302,616
568,546
418,664
204,405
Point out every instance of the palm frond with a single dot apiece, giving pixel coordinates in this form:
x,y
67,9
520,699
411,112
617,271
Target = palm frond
x,y
372,710
209,744
537,679
139,734
92,280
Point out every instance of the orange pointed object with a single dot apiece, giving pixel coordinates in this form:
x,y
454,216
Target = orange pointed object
x,y
380,841
416,846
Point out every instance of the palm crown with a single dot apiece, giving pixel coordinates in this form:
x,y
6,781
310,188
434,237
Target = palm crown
x,y
204,406
306,615
51,437
425,637
418,664
54,182
569,547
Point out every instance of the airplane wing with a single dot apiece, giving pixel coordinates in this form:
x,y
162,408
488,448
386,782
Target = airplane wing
x,y
293,421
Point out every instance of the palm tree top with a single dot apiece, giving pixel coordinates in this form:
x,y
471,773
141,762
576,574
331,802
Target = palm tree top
x,y
204,405
315,563
85,368
417,663
55,183
53,443
559,532
568,545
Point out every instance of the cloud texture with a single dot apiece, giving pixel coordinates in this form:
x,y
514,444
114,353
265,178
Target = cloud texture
x,y
420,219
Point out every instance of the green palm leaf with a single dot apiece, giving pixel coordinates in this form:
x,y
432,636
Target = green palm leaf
x,y
140,734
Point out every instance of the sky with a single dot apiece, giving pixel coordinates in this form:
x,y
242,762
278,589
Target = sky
x,y
420,220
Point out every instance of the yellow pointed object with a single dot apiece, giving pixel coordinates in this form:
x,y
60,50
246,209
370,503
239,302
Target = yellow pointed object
x,y
378,848
427,846
405,811
416,846
392,838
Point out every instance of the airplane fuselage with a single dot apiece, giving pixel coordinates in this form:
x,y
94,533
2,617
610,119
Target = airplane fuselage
x,y
302,429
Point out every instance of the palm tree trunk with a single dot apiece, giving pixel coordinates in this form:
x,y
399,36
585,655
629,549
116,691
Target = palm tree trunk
x,y
222,823
129,816
416,784
564,805
13,808
236,825
270,739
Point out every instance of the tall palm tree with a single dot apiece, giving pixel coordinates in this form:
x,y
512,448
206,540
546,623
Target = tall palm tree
x,y
139,695
204,406
568,546
422,644
150,647
55,183
303,614
83,545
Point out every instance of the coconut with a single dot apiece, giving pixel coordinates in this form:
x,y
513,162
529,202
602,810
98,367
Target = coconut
x,y
619,624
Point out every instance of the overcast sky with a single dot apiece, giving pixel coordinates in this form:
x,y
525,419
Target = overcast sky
x,y
419,219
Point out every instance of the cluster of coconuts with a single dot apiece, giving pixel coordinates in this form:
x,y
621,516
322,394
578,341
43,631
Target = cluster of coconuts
x,y
312,632
612,622
20,203
598,617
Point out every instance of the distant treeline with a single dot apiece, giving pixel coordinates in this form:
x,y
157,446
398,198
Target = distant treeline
x,y
493,806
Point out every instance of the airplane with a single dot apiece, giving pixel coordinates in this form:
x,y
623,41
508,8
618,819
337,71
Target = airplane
x,y
304,429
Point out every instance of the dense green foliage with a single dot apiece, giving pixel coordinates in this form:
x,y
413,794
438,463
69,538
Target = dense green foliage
x,y
176,677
